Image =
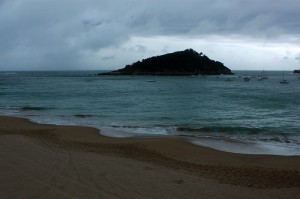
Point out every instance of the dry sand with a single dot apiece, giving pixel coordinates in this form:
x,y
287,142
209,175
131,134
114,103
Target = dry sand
x,y
48,161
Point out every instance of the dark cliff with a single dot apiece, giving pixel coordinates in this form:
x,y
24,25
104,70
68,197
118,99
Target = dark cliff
x,y
187,62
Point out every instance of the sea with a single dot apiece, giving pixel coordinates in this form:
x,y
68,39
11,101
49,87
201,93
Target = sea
x,y
222,112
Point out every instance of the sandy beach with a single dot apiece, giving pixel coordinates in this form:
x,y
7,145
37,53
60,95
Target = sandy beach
x,y
49,161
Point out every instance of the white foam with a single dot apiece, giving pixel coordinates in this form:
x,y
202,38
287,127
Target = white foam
x,y
110,132
123,132
235,146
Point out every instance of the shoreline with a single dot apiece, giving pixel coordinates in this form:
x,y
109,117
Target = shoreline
x,y
68,159
225,144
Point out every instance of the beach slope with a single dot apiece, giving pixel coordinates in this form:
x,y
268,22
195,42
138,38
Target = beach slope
x,y
49,161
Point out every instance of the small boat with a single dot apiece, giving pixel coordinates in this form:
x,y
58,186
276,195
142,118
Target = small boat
x,y
262,76
247,79
283,81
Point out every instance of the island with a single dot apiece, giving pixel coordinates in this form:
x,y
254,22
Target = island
x,y
181,63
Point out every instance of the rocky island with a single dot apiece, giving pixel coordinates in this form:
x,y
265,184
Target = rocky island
x,y
187,62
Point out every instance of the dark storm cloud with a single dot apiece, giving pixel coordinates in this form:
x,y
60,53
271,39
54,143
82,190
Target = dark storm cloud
x,y
55,33
264,17
68,33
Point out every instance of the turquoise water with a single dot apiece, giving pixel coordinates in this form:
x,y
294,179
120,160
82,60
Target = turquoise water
x,y
264,113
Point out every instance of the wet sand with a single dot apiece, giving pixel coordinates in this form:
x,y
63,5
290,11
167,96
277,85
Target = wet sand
x,y
48,161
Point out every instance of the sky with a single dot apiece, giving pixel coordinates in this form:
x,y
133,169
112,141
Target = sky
x,y
109,34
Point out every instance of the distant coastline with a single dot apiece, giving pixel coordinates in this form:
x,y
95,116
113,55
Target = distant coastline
x,y
296,71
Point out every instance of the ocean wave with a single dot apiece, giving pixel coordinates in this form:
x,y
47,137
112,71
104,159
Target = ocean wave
x,y
280,139
7,73
225,129
35,108
144,130
82,115
245,134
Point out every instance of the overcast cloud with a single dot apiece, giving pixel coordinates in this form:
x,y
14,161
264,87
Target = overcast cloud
x,y
108,34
